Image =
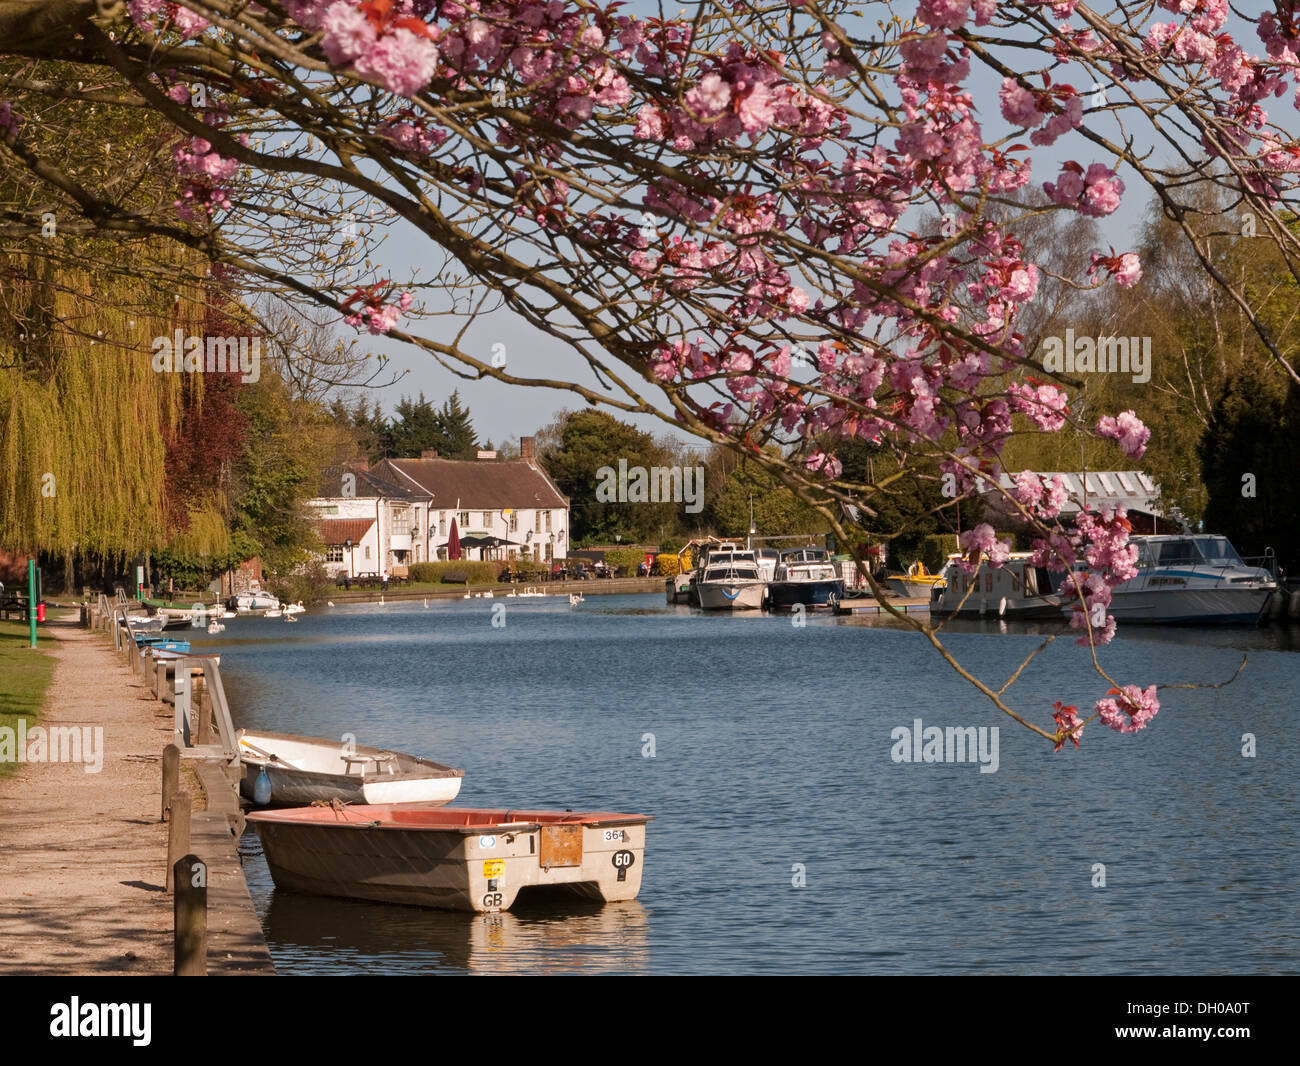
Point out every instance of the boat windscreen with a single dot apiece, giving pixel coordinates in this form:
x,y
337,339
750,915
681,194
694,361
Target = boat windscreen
x,y
1176,553
1218,551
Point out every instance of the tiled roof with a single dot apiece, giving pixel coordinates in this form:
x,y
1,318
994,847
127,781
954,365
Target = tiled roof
x,y
338,530
477,485
369,485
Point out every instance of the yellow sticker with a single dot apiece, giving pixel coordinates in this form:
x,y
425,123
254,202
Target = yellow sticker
x,y
494,868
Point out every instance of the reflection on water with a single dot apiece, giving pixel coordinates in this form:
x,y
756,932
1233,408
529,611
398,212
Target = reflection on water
x,y
785,839
319,935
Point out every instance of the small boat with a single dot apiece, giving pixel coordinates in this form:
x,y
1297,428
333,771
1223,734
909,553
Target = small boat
x,y
139,624
807,577
1015,590
677,589
917,583
163,644
305,769
255,599
729,580
451,858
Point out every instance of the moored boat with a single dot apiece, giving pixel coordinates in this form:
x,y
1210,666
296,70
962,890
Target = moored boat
x,y
301,770
1017,589
806,576
729,580
1192,579
256,599
451,858
917,583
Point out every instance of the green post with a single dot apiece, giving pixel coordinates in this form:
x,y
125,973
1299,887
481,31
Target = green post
x,y
31,598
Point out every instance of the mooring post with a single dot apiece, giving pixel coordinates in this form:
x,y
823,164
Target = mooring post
x,y
205,715
190,917
171,777
178,834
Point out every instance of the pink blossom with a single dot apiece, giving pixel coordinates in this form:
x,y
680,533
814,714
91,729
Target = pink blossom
x,y
1128,429
1019,106
982,540
1129,709
1130,270
347,33
401,62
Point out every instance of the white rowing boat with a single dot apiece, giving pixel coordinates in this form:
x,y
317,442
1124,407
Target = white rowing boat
x,y
301,770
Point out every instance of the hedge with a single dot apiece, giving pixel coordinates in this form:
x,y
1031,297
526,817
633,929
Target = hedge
x,y
936,549
667,566
457,570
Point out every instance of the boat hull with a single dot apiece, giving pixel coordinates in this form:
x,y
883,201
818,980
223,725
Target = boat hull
x,y
746,596
303,773
1173,606
816,593
452,859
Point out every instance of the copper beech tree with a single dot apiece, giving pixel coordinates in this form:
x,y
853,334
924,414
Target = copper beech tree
x,y
778,226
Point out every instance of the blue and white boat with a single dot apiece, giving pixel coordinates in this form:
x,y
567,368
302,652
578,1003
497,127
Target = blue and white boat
x,y
729,580
1192,579
806,576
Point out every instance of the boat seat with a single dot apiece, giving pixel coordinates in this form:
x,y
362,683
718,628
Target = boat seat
x,y
384,760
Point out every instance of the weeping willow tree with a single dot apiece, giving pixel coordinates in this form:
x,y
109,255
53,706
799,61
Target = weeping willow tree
x,y
86,421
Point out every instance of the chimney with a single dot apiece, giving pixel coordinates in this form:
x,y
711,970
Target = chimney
x,y
429,453
528,448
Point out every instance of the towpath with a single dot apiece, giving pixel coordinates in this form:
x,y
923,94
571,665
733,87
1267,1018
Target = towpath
x,y
83,855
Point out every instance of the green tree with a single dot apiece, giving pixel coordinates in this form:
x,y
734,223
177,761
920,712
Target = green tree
x,y
589,444
1248,466
456,436
415,428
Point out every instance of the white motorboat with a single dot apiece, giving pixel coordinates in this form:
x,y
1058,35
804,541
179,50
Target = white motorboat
x,y
1192,579
301,770
808,577
730,580
255,600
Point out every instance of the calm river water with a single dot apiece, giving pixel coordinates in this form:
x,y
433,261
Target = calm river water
x,y
786,839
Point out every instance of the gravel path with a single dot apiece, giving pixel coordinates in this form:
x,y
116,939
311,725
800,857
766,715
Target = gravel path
x,y
83,855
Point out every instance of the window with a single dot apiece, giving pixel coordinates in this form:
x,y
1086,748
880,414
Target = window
x,y
548,521
334,553
367,551
442,523
514,521
537,524
464,520
487,519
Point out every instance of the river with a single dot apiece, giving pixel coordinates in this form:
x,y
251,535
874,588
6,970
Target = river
x,y
786,838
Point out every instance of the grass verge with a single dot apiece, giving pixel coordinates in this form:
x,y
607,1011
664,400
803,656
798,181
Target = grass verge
x,y
24,678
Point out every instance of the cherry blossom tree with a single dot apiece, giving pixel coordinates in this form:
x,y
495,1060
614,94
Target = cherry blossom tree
x,y
778,226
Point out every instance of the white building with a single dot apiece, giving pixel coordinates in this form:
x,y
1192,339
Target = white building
x,y
402,511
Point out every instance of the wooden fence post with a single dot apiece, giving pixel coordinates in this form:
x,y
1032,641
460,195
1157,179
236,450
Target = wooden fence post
x,y
190,917
171,770
178,834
